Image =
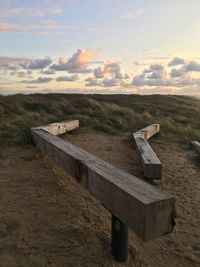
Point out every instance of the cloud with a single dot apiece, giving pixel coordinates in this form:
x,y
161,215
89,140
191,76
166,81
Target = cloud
x,y
48,72
41,27
37,64
52,24
107,82
126,76
157,76
110,70
176,61
176,73
108,76
72,78
110,82
91,81
38,80
192,66
154,67
187,67
155,72
12,63
113,30
21,74
12,27
47,24
131,16
33,12
78,63
149,50
137,63
140,80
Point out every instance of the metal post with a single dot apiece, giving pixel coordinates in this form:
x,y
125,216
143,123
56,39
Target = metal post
x,y
119,240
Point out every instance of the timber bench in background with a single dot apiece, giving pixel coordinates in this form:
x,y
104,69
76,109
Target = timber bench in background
x,y
131,201
150,163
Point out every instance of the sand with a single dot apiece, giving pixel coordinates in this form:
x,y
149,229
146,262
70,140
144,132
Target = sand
x,y
47,219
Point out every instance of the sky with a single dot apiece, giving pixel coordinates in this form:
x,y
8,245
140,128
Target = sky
x,y
100,46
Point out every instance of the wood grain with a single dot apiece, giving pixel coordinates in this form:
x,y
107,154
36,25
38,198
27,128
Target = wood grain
x,y
145,209
60,127
150,163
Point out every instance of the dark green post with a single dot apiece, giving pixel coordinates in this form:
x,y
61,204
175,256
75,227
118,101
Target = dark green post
x,y
119,240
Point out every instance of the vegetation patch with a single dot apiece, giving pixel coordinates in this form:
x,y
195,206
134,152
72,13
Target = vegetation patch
x,y
177,115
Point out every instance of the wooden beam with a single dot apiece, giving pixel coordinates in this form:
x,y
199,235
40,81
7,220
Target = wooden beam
x,y
150,163
150,130
145,209
60,127
196,146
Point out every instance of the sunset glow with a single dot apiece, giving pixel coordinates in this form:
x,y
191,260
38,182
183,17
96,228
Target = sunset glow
x,y
108,46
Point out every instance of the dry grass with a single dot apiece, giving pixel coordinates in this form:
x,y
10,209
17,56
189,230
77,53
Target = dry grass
x,y
178,115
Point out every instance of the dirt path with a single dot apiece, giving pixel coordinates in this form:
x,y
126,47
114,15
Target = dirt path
x,y
47,219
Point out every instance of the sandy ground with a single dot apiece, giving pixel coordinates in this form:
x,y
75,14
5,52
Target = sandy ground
x,y
47,219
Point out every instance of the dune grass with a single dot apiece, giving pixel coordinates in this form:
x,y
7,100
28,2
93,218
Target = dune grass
x,y
112,114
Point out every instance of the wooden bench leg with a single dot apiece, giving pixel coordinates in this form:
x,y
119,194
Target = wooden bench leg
x,y
119,240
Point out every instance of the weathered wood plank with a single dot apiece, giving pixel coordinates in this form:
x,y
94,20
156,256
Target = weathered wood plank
x,y
145,209
150,130
150,163
60,127
196,146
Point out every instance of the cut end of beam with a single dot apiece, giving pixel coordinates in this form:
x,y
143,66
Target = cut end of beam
x,y
168,215
148,131
59,128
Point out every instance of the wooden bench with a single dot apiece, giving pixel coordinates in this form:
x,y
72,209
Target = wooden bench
x,y
150,163
145,209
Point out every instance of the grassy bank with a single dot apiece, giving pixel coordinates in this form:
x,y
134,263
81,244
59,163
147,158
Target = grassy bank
x,y
178,115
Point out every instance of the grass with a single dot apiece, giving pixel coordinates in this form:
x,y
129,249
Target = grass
x,y
112,114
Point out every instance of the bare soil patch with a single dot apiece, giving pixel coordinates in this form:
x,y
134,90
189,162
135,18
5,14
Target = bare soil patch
x,y
47,219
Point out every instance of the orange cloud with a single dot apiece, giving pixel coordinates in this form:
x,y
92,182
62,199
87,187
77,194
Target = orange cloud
x,y
77,63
